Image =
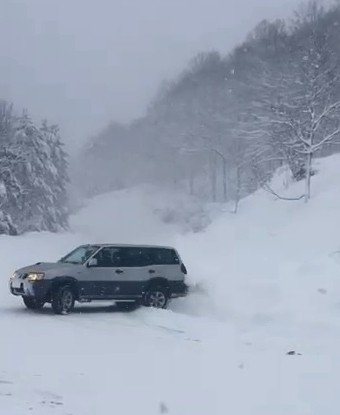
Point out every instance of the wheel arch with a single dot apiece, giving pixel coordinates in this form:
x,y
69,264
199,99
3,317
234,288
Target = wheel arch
x,y
64,280
157,281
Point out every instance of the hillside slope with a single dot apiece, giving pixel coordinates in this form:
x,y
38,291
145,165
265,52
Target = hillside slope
x,y
266,282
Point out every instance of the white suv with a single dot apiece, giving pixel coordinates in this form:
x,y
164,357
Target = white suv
x,y
127,274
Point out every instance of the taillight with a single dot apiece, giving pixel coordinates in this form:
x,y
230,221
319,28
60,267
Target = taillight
x,y
183,269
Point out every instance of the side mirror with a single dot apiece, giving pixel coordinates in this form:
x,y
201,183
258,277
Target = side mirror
x,y
93,262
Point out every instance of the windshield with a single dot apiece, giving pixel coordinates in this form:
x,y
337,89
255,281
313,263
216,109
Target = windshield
x,y
79,255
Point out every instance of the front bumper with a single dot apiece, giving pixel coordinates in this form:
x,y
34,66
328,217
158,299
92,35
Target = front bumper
x,y
23,287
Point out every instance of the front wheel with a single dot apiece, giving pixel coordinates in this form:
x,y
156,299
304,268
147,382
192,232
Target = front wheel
x,y
33,303
157,297
63,300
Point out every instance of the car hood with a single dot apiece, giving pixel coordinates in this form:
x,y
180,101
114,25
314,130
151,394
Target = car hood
x,y
50,268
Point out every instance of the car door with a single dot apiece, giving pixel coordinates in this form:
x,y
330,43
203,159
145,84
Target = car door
x,y
134,266
102,279
166,263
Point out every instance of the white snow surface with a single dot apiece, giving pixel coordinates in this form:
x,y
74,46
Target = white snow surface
x,y
266,282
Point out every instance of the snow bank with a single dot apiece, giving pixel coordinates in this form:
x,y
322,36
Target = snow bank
x,y
275,261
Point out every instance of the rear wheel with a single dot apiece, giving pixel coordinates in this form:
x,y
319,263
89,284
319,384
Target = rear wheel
x,y
63,299
33,303
157,296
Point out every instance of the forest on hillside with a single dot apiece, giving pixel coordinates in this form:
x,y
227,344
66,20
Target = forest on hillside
x,y
226,123
217,132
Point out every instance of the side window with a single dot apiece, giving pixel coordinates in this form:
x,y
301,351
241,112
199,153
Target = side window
x,y
109,257
135,257
163,256
146,257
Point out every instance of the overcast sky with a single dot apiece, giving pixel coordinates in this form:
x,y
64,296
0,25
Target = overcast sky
x,y
82,63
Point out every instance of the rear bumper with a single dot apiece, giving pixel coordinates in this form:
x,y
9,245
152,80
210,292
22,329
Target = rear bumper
x,y
178,289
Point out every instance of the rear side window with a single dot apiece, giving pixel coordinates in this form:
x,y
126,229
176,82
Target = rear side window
x,y
134,257
163,256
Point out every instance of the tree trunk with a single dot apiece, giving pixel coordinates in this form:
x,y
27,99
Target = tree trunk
x,y
213,178
192,182
224,180
308,176
238,188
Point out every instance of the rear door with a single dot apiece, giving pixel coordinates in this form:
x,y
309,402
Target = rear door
x,y
166,263
135,266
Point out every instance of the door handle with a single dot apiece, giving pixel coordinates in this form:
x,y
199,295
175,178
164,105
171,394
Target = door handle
x,y
119,271
151,271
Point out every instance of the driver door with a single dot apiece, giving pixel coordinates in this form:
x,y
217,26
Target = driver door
x,y
102,279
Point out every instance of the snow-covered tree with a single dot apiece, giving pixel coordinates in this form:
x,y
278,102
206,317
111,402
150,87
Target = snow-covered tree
x,y
33,175
9,161
57,172
301,96
42,176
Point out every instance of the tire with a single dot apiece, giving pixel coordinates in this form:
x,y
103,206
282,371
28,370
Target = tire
x,y
157,296
33,304
63,299
126,305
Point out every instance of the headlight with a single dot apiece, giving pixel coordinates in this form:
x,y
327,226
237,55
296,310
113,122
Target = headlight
x,y
35,276
14,276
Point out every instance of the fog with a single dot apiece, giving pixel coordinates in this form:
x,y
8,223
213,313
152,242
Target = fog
x,y
83,63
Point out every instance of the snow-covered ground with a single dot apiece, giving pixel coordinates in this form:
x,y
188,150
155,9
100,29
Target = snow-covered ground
x,y
267,282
